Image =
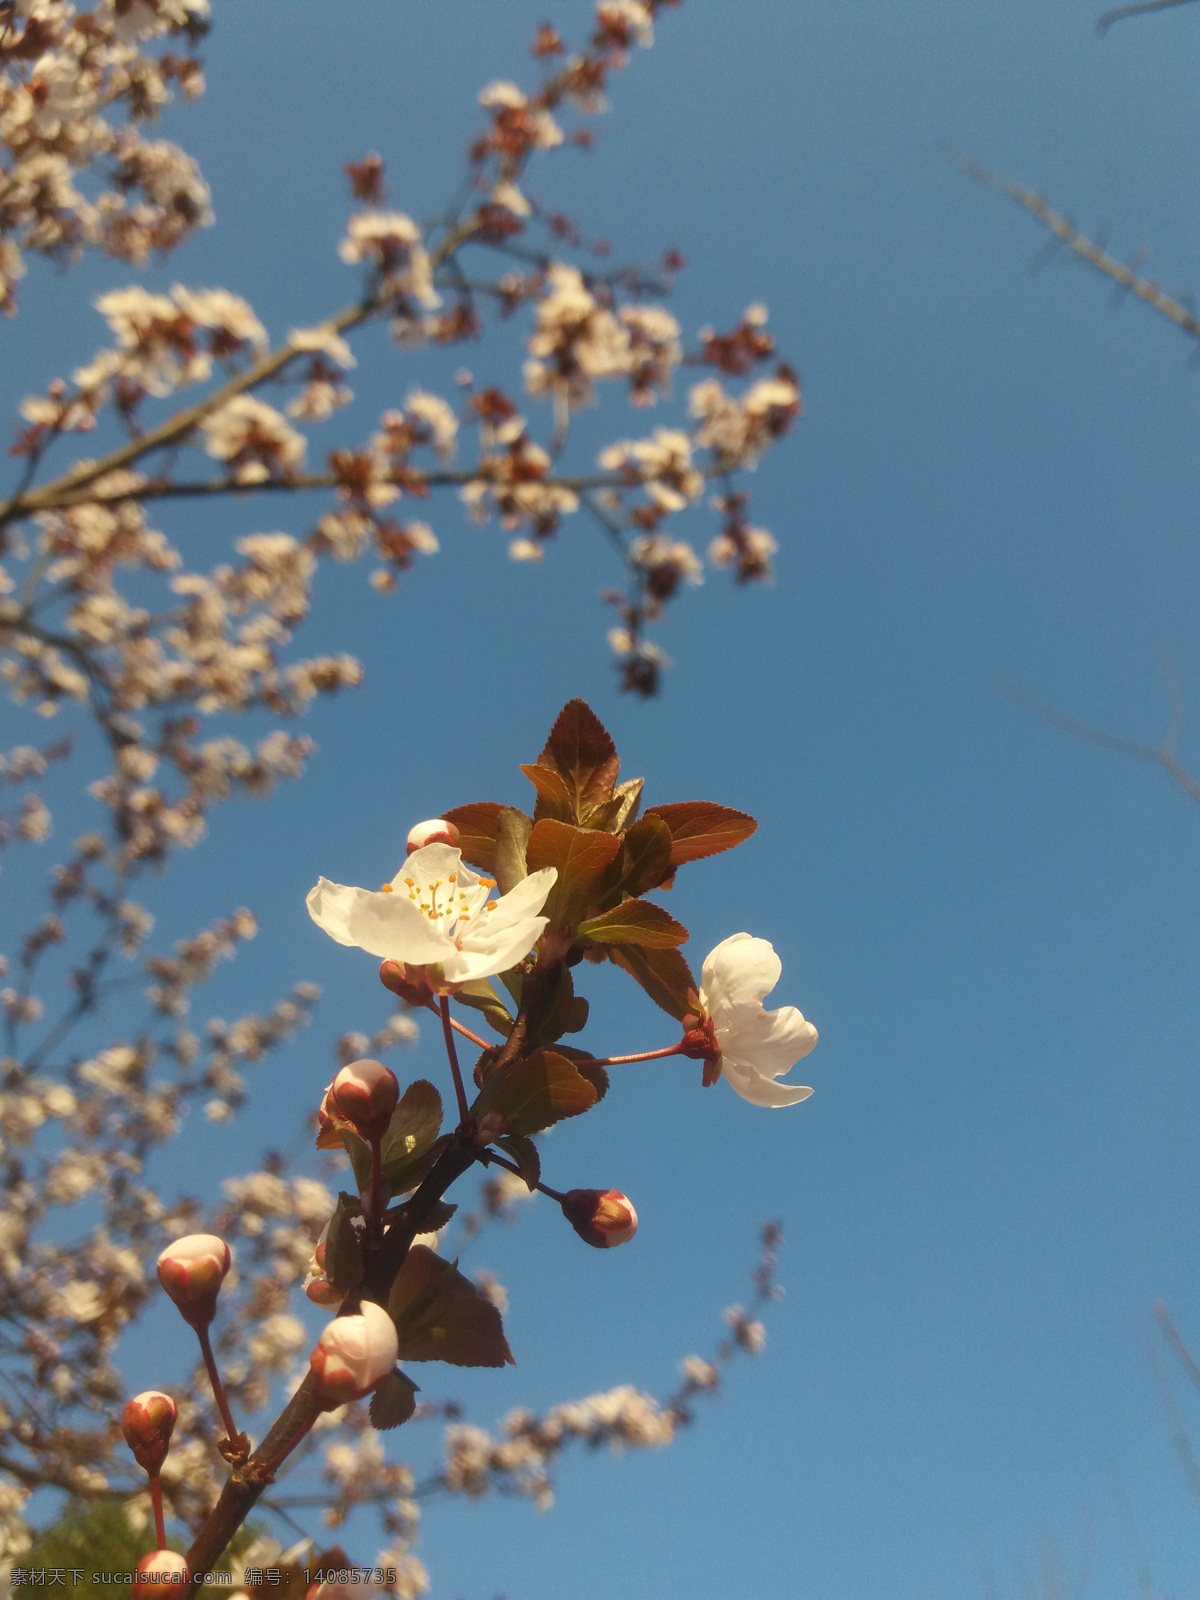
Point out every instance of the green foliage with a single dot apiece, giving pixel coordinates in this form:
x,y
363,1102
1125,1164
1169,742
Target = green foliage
x,y
638,922
537,1091
442,1316
393,1402
91,1539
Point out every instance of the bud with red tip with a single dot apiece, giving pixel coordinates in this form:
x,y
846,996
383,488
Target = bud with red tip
x,y
147,1423
158,1569
436,831
192,1271
603,1217
365,1093
316,1285
353,1354
414,991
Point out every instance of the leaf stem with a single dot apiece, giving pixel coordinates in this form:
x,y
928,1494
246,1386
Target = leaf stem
x,y
448,1031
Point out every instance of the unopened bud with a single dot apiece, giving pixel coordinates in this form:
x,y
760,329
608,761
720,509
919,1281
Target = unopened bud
x,y
353,1354
191,1271
365,1093
160,1567
415,990
603,1217
147,1423
436,831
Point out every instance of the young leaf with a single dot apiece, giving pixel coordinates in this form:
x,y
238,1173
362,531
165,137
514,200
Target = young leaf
x,y
476,824
663,974
638,922
359,1151
343,1251
480,996
512,835
393,1402
560,1012
553,796
441,1316
617,814
537,1091
405,1172
595,1075
700,828
525,1153
415,1123
644,861
580,856
581,751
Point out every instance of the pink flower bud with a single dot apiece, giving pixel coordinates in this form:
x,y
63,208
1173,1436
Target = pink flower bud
x,y
365,1093
353,1354
414,991
435,831
158,1569
192,1271
147,1423
603,1217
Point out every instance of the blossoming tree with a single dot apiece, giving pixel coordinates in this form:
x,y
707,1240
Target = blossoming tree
x,y
103,627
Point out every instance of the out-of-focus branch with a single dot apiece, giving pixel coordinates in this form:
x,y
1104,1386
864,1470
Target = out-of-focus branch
x,y
1119,15
1086,249
1181,1352
1163,756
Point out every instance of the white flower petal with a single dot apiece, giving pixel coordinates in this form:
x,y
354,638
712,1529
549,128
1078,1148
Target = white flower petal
x,y
760,1091
385,925
772,1040
741,971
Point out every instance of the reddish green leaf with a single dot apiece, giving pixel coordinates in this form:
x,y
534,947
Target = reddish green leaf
x,y
415,1122
441,1316
553,795
343,1251
525,1153
580,856
513,828
476,824
405,1172
480,996
393,1402
663,974
644,861
700,828
580,750
537,1091
595,1075
638,922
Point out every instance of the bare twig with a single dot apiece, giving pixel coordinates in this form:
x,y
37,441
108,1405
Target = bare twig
x,y
1109,17
1086,249
1163,756
1182,1354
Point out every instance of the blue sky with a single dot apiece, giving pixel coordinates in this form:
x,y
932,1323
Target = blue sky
x,y
996,928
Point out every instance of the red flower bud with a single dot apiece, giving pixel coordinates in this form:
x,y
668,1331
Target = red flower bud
x,y
365,1093
393,975
147,1423
158,1570
192,1271
435,831
353,1355
603,1217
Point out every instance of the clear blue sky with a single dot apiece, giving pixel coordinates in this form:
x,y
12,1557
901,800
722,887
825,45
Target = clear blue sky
x,y
995,928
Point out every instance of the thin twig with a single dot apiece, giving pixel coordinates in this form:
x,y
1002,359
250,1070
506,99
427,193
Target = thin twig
x,y
1182,1354
1109,17
1086,249
1179,1438
1164,756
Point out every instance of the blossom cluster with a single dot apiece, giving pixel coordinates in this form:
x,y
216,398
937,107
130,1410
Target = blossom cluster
x,y
65,78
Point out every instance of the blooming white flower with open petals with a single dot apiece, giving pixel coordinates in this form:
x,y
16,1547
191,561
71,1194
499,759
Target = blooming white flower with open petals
x,y
436,912
756,1045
